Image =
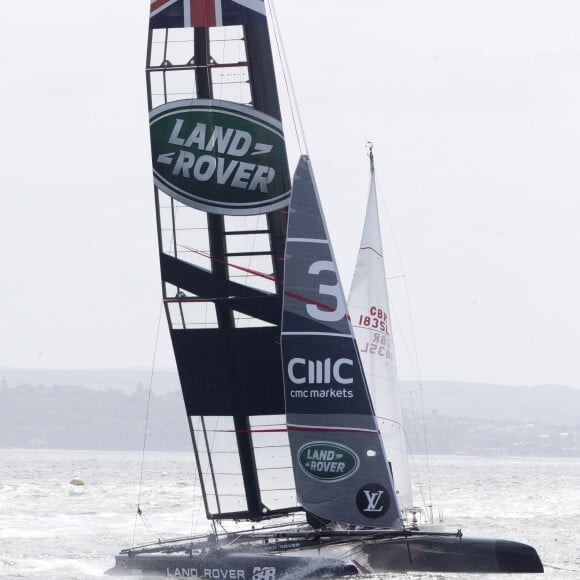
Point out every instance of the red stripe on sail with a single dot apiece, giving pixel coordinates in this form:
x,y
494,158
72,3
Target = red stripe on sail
x,y
261,275
330,429
248,430
372,249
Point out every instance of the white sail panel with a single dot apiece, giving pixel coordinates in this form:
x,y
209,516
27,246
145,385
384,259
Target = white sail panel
x,y
368,306
273,461
219,464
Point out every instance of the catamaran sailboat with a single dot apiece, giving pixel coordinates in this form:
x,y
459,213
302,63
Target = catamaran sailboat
x,y
291,453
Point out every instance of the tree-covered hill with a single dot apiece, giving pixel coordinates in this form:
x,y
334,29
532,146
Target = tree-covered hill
x,y
457,418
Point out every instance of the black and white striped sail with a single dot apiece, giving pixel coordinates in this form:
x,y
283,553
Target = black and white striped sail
x,y
340,468
221,186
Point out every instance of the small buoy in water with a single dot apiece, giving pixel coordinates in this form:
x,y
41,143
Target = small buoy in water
x,y
77,480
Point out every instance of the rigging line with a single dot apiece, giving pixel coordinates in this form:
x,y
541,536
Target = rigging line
x,y
413,334
261,275
195,513
426,442
174,243
416,466
254,240
420,385
139,512
222,59
228,263
200,477
413,356
422,469
389,420
210,470
403,338
296,118
149,527
164,73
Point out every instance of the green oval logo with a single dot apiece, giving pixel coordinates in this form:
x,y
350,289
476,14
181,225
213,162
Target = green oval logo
x,y
327,461
219,157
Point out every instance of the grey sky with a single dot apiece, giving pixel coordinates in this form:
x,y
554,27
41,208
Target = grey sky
x,y
471,104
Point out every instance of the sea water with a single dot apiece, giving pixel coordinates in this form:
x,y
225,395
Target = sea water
x,y
51,529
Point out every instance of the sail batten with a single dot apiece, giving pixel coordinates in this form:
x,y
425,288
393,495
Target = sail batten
x,y
306,241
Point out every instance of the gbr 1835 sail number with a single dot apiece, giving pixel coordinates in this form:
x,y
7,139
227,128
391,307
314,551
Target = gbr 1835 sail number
x,y
376,319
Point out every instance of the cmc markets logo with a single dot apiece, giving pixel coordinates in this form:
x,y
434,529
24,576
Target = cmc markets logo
x,y
327,461
317,372
219,157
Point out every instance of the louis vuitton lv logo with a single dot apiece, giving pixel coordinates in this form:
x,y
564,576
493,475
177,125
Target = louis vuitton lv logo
x,y
373,501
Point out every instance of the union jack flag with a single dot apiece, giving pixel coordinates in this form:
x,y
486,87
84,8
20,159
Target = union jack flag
x,y
205,13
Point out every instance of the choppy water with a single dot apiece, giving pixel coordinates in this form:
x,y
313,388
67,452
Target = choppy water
x,y
52,530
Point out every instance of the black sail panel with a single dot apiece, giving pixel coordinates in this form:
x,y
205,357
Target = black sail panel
x,y
340,468
230,372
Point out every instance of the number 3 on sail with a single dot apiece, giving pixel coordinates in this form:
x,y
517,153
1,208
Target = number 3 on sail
x,y
325,313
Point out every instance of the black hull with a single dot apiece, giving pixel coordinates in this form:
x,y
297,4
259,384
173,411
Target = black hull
x,y
451,554
337,555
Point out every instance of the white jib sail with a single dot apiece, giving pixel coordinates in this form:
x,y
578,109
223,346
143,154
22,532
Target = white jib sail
x,y
368,306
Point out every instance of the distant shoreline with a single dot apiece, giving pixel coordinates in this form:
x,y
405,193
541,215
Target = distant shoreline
x,y
460,418
187,452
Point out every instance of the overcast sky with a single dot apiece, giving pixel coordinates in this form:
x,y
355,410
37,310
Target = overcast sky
x,y
473,109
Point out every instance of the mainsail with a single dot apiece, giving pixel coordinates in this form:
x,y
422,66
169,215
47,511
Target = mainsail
x,y
221,180
340,467
368,306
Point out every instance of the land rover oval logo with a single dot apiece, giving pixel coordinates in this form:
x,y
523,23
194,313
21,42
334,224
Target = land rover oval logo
x,y
219,157
327,461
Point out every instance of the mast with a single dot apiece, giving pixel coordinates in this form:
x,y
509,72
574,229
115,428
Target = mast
x,y
218,251
229,366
